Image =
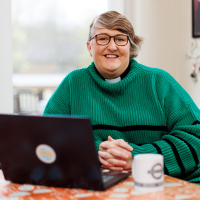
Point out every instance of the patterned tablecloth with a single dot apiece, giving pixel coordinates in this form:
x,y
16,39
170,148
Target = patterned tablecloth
x,y
173,189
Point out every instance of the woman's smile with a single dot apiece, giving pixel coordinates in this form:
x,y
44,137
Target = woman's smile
x,y
111,56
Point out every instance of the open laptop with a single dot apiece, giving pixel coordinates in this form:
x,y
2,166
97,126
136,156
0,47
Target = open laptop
x,y
52,151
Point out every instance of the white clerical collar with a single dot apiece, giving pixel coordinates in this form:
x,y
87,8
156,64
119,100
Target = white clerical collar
x,y
115,80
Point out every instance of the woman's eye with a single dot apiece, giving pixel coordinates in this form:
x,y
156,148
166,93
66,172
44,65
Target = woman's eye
x,y
103,38
120,39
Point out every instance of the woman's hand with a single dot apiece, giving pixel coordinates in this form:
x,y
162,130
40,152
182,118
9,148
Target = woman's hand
x,y
115,154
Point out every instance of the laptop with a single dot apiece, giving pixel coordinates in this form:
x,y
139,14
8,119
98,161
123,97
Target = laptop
x,y
52,151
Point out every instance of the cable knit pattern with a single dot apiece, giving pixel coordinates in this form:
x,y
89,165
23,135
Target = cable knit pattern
x,y
147,108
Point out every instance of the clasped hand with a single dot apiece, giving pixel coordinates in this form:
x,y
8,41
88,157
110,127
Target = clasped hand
x,y
115,154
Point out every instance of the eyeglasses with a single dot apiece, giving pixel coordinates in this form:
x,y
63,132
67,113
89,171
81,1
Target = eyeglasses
x,y
104,39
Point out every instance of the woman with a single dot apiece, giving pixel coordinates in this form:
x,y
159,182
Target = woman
x,y
134,109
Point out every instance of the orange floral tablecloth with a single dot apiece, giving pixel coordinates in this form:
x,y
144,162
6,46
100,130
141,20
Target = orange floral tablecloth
x,y
173,189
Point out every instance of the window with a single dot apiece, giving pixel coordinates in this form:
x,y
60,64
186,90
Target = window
x,y
49,41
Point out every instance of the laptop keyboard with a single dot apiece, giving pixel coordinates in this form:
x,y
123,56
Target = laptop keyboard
x,y
106,178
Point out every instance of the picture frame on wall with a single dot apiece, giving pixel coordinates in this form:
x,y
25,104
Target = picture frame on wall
x,y
196,18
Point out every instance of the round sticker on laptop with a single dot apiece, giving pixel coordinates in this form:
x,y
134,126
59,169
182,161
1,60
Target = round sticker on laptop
x,y
45,153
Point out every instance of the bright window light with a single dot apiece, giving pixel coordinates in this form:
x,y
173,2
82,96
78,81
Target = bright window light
x,y
49,41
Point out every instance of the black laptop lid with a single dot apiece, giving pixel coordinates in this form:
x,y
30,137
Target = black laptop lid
x,y
51,151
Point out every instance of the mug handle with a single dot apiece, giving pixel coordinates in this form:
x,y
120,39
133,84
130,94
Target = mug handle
x,y
133,169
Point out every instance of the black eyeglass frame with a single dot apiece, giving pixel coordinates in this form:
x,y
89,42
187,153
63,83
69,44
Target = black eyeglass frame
x,y
95,36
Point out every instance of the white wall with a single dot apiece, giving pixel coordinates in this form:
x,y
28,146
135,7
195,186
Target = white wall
x,y
6,94
184,65
117,5
167,28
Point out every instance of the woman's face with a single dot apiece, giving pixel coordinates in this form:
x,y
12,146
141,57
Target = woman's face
x,y
109,67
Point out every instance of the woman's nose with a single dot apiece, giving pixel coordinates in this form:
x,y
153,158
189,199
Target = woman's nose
x,y
111,45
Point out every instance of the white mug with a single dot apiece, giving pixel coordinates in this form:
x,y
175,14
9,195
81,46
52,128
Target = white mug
x,y
147,172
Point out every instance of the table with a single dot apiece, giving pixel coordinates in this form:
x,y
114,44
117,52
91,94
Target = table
x,y
173,189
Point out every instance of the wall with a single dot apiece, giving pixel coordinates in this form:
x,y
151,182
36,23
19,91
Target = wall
x,y
185,66
6,95
167,28
117,5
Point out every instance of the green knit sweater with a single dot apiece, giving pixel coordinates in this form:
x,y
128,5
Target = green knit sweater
x,y
147,108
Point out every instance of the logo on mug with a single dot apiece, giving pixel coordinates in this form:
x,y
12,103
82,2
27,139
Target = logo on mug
x,y
45,153
156,171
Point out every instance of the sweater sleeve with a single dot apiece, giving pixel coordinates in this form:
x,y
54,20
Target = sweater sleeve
x,y
59,103
180,146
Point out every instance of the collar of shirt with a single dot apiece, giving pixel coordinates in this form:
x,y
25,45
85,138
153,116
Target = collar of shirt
x,y
115,80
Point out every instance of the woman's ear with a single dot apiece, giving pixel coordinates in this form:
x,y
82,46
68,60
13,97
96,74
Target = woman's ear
x,y
89,48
